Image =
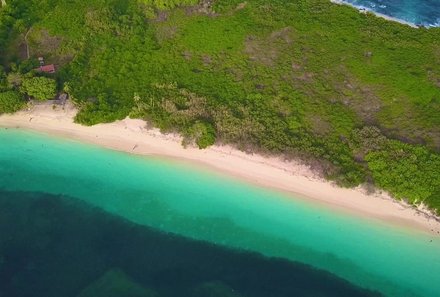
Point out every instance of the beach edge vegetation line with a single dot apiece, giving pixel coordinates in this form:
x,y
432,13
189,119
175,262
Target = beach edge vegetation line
x,y
355,96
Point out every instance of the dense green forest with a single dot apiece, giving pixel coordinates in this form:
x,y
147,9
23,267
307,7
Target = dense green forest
x,y
353,95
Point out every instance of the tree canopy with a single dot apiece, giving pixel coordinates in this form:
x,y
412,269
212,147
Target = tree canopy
x,y
40,88
10,102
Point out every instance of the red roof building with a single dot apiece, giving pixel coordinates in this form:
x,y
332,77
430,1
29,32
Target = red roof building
x,y
47,68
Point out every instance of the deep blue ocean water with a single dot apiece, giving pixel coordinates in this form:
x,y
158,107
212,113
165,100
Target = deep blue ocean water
x,y
418,12
75,218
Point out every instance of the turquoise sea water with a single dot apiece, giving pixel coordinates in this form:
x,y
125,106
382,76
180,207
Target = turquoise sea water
x,y
54,246
418,12
199,204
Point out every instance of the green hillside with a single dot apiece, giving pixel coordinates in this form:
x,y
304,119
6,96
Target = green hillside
x,y
355,96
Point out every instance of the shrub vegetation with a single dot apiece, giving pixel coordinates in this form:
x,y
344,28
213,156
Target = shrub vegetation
x,y
40,88
10,102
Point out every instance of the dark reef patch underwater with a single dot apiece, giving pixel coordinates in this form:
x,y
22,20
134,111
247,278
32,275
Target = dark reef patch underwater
x,y
52,246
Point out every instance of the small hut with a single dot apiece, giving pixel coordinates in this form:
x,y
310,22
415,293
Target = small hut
x,y
62,99
47,68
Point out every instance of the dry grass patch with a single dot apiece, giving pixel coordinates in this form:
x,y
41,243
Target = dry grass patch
x,y
269,49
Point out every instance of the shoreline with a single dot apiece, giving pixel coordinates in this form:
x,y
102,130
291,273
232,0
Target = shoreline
x,y
377,14
289,177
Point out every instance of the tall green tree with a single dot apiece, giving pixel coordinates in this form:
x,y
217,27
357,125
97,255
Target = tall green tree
x,y
3,84
40,88
11,101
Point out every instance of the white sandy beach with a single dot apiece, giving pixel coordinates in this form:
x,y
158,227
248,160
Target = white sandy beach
x,y
132,136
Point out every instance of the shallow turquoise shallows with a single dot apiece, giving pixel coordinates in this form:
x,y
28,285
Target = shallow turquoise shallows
x,y
196,203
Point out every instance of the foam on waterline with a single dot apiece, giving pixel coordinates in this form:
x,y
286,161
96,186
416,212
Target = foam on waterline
x,y
414,13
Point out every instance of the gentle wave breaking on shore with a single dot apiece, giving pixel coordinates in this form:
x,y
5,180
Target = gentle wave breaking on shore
x,y
415,13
